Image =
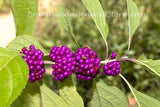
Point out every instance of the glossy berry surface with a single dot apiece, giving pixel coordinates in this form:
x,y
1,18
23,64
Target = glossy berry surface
x,y
34,60
65,62
112,68
88,64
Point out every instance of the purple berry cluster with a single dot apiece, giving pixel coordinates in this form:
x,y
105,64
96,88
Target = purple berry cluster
x,y
34,60
64,60
85,62
112,68
88,64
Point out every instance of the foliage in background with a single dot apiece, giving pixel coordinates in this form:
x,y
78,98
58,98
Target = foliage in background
x,y
50,34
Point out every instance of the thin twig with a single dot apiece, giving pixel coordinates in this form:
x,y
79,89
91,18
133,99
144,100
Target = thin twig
x,y
49,62
23,54
120,59
105,61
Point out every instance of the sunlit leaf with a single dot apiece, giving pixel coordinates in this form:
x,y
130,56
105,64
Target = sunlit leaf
x,y
13,76
25,41
25,15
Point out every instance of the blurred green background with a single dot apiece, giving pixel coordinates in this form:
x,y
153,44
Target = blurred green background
x,y
145,40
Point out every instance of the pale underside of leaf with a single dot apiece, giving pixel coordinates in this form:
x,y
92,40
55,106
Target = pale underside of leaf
x,y
96,11
153,65
69,94
48,98
133,19
107,96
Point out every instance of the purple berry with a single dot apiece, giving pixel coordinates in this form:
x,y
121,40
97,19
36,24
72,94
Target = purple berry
x,y
32,74
43,70
73,68
41,76
105,67
31,67
65,74
61,76
41,62
117,71
38,67
113,55
90,65
59,65
65,67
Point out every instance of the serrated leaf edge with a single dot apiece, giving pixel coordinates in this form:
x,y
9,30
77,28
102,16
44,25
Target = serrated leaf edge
x,y
22,76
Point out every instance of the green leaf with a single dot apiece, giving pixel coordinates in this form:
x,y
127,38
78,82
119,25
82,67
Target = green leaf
x,y
25,15
152,65
31,95
69,94
107,96
96,11
13,76
142,99
133,18
65,23
48,98
25,41
36,95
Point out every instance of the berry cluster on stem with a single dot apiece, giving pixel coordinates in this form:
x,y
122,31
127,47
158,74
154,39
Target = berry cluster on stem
x,y
34,60
64,60
112,68
88,64
85,63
